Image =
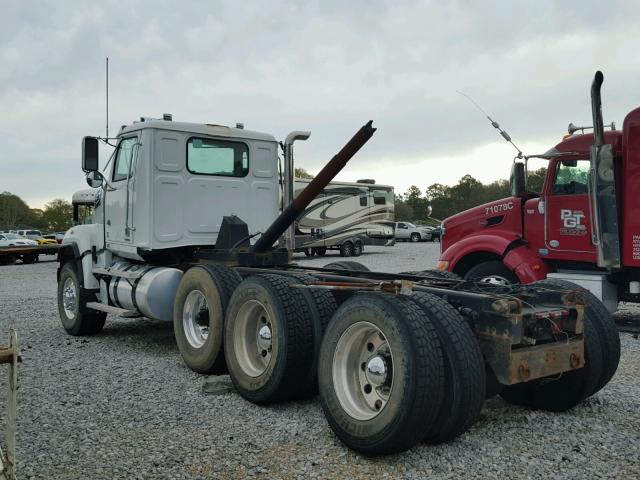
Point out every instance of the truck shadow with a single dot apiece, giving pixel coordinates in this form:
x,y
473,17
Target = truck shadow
x,y
139,333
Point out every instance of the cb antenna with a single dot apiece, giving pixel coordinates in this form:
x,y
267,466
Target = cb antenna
x,y
107,75
494,124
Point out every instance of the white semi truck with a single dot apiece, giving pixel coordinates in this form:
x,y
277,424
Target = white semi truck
x,y
187,228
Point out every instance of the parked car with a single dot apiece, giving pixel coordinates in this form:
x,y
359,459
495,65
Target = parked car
x,y
37,236
15,240
57,237
409,232
436,233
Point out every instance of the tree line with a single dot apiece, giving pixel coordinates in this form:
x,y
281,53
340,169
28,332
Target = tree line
x,y
15,214
446,200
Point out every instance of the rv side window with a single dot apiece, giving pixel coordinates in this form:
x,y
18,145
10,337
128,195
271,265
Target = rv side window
x,y
124,158
379,197
217,157
364,199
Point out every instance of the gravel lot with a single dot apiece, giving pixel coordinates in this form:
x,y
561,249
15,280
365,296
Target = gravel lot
x,y
122,405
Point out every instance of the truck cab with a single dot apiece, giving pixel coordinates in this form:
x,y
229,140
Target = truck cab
x,y
167,187
569,230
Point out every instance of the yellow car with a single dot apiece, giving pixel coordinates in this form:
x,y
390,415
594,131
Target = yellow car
x,y
45,241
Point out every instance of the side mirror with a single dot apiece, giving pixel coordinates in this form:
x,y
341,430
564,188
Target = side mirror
x,y
90,154
95,179
518,180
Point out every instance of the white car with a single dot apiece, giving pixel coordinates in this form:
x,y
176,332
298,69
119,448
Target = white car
x,y
15,240
408,231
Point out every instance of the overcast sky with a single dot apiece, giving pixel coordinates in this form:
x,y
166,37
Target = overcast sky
x,y
327,67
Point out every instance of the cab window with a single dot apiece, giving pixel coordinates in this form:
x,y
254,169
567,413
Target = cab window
x,y
217,157
124,158
571,177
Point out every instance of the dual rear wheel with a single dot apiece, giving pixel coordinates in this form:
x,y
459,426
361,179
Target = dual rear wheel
x,y
397,370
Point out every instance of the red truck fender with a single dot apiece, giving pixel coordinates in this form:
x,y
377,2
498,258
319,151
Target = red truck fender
x,y
526,264
493,244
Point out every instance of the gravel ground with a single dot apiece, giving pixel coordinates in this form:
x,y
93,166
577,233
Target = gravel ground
x,y
122,405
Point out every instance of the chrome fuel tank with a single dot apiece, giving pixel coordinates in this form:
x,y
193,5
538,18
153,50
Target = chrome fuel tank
x,y
151,292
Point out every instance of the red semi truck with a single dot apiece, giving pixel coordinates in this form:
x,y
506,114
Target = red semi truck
x,y
583,227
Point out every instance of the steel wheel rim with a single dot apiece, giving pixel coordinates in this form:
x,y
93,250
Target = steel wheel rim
x,y
253,336
363,371
69,298
495,280
196,318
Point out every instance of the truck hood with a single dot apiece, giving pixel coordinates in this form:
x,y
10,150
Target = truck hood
x,y
502,216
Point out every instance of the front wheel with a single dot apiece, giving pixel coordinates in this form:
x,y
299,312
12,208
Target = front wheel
x,y
415,237
76,318
357,249
493,272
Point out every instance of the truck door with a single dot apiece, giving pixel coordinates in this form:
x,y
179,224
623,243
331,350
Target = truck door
x,y
119,198
567,220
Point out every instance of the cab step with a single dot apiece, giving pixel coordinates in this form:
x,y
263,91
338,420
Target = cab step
x,y
122,312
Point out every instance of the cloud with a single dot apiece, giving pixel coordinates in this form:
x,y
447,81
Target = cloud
x,y
323,66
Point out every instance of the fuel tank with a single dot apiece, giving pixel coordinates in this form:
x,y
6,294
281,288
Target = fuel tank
x,y
151,292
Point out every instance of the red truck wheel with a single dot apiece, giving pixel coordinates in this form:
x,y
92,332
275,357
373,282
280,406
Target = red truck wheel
x,y
493,272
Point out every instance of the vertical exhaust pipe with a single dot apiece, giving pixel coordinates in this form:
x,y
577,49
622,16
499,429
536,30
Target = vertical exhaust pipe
x,y
596,109
289,180
601,185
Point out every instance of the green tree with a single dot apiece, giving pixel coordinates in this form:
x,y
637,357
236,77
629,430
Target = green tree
x,y
301,173
403,211
14,212
58,215
418,203
535,180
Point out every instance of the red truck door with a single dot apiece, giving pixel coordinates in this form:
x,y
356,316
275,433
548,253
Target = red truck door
x,y
567,233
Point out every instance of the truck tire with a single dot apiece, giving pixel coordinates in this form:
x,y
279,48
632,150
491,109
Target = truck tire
x,y
601,358
320,251
381,373
433,273
604,327
322,306
26,259
464,372
415,237
268,339
76,318
357,248
348,265
563,392
309,252
493,272
200,304
346,249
